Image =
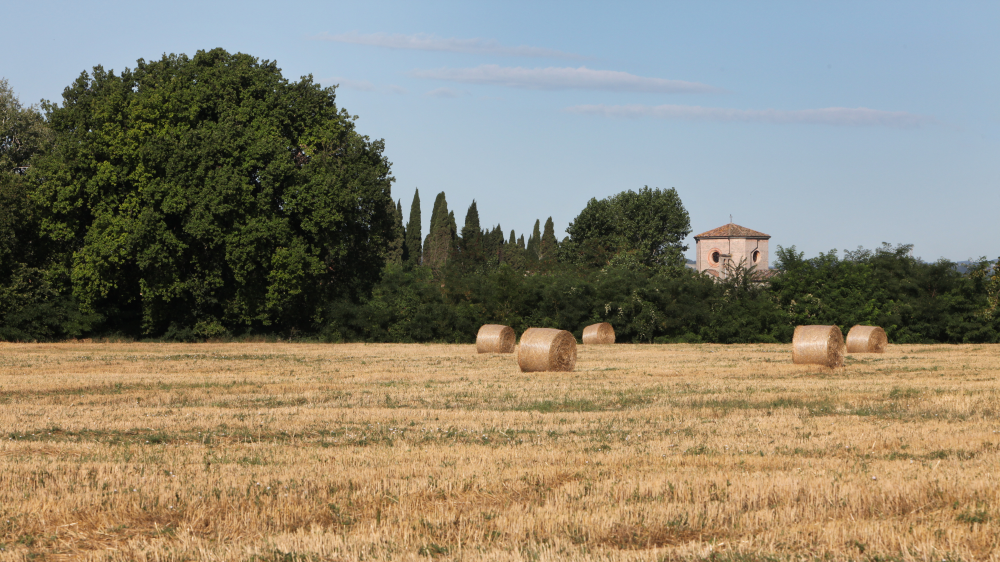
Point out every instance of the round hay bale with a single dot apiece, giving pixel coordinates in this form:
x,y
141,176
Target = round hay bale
x,y
598,333
495,338
866,339
546,349
818,345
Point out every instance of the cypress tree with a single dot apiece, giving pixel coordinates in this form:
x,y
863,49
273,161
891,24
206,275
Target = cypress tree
x,y
472,236
451,242
514,253
435,218
452,230
412,241
403,249
440,239
493,245
548,245
397,236
534,241
510,252
471,220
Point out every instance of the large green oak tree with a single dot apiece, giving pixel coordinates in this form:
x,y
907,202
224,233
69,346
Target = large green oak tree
x,y
205,195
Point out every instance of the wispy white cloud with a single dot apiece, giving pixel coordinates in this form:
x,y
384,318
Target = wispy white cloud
x,y
551,78
845,116
427,42
397,89
362,85
446,93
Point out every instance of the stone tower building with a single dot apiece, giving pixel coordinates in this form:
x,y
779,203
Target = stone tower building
x,y
731,243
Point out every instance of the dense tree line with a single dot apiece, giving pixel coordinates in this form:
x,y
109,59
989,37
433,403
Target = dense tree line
x,y
915,301
209,197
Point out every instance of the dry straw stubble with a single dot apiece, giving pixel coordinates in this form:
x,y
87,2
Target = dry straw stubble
x,y
546,349
410,451
818,345
495,338
598,334
866,339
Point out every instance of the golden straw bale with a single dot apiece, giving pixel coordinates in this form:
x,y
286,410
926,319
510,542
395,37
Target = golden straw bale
x,y
599,333
818,345
866,339
546,349
495,338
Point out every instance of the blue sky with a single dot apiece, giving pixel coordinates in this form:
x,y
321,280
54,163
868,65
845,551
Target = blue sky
x,y
827,125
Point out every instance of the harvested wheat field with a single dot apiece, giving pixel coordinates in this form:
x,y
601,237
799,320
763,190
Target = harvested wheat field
x,y
350,452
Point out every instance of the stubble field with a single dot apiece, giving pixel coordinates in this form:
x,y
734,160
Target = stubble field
x,y
291,452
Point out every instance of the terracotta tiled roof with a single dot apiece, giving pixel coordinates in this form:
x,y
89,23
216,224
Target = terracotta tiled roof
x,y
732,231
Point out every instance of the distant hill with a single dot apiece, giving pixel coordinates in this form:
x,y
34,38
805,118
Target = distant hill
x,y
964,266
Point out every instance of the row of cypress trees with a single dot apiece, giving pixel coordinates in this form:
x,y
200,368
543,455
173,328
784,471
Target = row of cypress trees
x,y
472,245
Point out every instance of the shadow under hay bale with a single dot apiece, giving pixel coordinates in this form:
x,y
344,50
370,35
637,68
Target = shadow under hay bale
x,y
818,345
598,334
866,339
495,338
546,349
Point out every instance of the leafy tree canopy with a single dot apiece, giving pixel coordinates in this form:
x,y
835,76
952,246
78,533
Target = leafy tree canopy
x,y
34,300
212,195
23,133
652,223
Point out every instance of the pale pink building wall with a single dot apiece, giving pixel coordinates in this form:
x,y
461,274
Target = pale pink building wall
x,y
738,248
